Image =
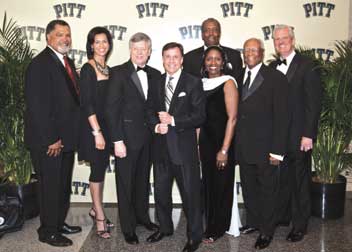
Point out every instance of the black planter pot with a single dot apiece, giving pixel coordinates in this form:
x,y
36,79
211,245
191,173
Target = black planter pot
x,y
328,200
28,195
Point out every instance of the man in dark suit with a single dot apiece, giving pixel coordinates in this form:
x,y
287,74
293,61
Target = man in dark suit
x,y
305,93
211,32
176,107
51,130
261,135
125,113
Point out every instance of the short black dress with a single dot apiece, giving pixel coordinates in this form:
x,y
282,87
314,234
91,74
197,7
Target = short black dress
x,y
92,95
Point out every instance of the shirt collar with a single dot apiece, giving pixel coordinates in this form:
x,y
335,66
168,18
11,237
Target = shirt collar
x,y
289,58
59,55
135,66
175,76
254,70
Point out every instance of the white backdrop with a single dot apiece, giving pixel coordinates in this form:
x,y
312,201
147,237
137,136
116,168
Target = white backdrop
x,y
317,25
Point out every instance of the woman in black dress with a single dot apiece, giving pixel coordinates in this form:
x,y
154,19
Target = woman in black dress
x,y
94,147
215,143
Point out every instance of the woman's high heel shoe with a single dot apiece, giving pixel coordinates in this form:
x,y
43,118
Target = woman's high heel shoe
x,y
104,234
109,224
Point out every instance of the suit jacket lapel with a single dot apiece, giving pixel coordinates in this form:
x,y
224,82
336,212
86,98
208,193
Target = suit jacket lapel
x,y
68,81
135,79
179,87
255,84
162,93
292,68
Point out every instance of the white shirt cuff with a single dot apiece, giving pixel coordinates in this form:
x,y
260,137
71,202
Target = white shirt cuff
x,y
278,157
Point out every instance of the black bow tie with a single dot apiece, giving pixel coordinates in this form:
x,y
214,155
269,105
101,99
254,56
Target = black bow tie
x,y
284,61
141,68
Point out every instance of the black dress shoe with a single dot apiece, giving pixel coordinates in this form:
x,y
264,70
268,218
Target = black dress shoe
x,y
131,238
263,241
67,229
247,229
295,236
157,236
56,240
191,246
150,226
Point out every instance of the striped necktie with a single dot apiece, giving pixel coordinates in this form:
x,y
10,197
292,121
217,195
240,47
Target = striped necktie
x,y
169,91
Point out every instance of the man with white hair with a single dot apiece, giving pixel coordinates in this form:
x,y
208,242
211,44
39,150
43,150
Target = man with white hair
x,y
305,93
260,143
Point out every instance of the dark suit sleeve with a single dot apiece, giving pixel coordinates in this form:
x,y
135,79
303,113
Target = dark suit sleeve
x,y
280,114
312,91
39,102
114,103
196,116
87,90
152,106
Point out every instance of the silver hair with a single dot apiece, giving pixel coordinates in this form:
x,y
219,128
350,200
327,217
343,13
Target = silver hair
x,y
261,43
140,36
283,26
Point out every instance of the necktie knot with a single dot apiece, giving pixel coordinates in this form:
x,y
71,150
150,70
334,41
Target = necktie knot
x,y
280,61
141,69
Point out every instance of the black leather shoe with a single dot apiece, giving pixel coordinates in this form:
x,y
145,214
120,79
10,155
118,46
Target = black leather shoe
x,y
56,240
295,236
283,223
67,229
157,236
263,241
247,229
191,246
131,238
150,226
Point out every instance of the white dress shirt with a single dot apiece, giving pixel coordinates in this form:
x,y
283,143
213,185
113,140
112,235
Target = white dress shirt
x,y
143,78
284,68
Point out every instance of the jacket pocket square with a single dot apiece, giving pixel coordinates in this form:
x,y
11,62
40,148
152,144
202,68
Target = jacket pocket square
x,y
181,94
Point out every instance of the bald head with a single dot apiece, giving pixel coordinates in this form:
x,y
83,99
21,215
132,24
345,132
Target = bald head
x,y
253,52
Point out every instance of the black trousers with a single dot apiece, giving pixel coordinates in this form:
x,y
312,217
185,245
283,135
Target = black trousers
x,y
54,188
283,208
132,179
189,184
260,184
299,182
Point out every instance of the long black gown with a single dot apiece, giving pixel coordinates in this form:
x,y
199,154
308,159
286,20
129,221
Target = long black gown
x,y
217,184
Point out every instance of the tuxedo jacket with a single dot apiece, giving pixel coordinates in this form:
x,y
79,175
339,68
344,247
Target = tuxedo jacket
x,y
125,108
52,104
262,123
188,109
192,61
305,94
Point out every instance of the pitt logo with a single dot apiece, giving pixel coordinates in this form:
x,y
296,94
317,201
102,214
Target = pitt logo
x,y
80,188
322,53
318,9
116,28
151,10
236,9
69,10
33,32
190,31
77,56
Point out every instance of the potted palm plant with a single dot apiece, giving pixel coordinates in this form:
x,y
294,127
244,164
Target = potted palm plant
x,y
331,156
15,55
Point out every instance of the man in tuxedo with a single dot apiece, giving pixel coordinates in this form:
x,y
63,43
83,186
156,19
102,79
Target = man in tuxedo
x,y
125,112
211,32
51,130
260,142
176,107
305,93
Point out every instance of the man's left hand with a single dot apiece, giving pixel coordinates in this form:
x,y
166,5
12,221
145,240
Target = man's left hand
x,y
165,117
306,144
274,161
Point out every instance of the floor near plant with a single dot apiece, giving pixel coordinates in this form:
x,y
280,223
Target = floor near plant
x,y
323,236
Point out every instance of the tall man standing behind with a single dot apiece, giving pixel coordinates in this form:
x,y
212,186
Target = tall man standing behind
x,y
305,93
125,113
211,33
176,108
51,130
261,135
